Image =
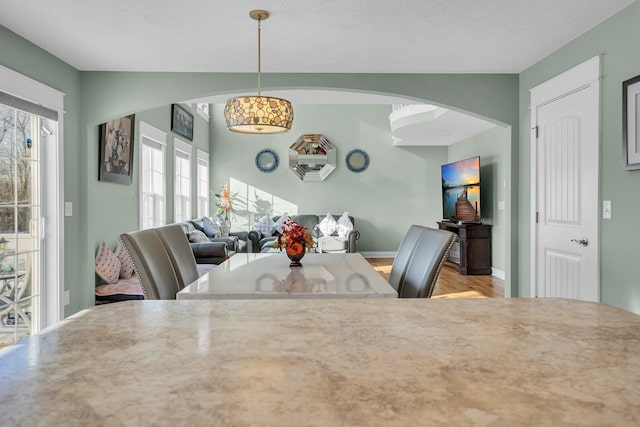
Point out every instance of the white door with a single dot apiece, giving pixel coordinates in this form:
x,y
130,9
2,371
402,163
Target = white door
x,y
566,149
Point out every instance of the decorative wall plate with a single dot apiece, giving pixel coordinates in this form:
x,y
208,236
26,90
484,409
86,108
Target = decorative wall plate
x,y
267,161
357,160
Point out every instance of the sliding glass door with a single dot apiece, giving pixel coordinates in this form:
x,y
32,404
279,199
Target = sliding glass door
x,y
20,211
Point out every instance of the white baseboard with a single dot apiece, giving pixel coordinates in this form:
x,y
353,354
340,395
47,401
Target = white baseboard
x,y
379,254
498,273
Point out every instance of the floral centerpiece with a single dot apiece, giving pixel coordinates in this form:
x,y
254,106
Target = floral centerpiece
x,y
296,240
224,202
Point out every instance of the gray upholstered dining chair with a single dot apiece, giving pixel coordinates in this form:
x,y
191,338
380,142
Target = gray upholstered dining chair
x,y
152,263
421,256
403,256
177,246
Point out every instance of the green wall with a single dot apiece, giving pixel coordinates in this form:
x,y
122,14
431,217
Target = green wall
x,y
400,187
94,97
102,210
493,97
115,206
490,146
617,40
31,61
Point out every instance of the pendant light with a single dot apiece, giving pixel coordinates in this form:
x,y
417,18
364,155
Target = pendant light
x,y
258,114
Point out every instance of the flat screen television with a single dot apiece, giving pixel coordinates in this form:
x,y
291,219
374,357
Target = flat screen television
x,y
461,190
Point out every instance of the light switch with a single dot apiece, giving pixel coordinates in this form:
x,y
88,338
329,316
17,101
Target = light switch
x,y
68,209
606,209
501,205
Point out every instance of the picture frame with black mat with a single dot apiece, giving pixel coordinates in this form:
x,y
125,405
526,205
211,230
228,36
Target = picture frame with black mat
x,y
116,150
181,121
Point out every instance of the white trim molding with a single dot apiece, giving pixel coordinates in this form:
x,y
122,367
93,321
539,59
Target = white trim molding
x,y
20,86
588,73
498,273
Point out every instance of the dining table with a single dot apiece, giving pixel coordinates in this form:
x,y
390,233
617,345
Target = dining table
x,y
270,276
329,362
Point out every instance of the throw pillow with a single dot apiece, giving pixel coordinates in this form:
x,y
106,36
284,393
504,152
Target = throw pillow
x,y
198,237
344,226
328,225
211,229
107,264
126,265
277,226
197,224
264,226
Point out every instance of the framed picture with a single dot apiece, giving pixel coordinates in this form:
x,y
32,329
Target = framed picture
x,y
116,150
181,121
631,123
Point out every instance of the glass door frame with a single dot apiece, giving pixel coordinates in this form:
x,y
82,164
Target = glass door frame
x,y
51,226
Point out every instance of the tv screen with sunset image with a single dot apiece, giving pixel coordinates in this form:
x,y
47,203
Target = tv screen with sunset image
x,y
461,180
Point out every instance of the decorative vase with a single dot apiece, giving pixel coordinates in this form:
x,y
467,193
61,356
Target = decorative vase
x,y
295,251
225,227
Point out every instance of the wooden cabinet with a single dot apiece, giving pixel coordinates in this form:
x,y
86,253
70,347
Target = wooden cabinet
x,y
472,253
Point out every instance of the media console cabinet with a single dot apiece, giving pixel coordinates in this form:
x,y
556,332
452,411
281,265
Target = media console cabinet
x,y
472,253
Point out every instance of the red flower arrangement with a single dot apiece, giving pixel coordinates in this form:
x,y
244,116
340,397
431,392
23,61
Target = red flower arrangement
x,y
294,238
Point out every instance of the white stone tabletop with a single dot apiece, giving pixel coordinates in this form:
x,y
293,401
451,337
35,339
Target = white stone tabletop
x,y
329,362
268,275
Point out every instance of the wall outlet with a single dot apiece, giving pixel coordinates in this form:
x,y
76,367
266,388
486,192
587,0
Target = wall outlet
x,y
68,209
606,209
67,297
501,205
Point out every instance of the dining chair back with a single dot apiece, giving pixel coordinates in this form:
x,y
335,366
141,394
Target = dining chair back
x,y
177,246
426,260
403,256
152,264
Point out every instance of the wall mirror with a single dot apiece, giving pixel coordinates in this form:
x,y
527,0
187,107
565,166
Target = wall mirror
x,y
312,157
267,160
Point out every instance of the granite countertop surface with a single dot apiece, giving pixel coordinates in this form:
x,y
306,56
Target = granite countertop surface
x,y
402,362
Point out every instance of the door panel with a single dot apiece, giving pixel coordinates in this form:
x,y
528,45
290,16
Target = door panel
x,y
567,199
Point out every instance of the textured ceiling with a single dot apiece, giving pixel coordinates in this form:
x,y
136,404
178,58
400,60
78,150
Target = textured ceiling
x,y
319,36
348,36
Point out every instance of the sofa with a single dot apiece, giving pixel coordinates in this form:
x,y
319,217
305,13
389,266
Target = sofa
x,y
206,253
264,243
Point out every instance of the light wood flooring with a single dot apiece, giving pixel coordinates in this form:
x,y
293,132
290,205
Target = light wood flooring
x,y
452,284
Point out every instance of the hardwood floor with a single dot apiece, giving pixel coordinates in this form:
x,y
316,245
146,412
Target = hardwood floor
x,y
451,284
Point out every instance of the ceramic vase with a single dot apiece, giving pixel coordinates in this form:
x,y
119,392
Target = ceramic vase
x,y
295,251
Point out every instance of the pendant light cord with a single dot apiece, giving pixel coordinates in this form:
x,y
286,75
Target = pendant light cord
x,y
259,22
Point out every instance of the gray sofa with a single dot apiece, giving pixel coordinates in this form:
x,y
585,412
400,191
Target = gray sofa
x,y
215,251
235,242
261,243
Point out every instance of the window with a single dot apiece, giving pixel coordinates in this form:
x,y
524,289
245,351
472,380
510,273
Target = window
x,y
152,176
182,181
202,207
203,110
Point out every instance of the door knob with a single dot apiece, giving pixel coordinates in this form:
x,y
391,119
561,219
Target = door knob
x,y
583,242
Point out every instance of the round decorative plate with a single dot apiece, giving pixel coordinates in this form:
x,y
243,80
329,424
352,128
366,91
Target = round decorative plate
x,y
357,160
267,160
